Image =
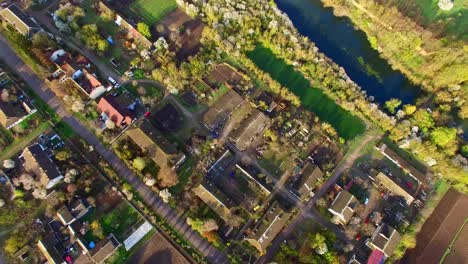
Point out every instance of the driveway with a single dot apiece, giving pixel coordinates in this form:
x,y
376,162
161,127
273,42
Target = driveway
x,y
9,57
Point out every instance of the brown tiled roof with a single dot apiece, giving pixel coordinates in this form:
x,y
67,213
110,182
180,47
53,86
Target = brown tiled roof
x,y
440,230
116,108
311,175
396,189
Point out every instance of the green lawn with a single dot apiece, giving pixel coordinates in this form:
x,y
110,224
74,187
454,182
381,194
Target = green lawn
x,y
151,11
455,18
120,220
20,143
346,124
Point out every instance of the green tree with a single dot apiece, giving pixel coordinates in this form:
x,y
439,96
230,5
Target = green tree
x,y
392,105
42,41
63,155
14,243
464,150
442,136
144,29
317,242
409,109
139,163
423,119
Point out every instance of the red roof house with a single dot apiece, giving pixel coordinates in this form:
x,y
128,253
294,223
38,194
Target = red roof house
x,y
120,109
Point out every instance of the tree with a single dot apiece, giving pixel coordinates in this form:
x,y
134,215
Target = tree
x,y
63,155
14,243
9,164
42,41
70,176
39,193
464,150
317,242
78,105
409,109
210,225
139,163
165,195
392,105
442,136
26,180
423,119
167,177
110,124
97,229
144,29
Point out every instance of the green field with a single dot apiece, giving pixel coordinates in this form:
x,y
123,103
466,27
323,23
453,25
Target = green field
x,y
151,11
456,19
347,125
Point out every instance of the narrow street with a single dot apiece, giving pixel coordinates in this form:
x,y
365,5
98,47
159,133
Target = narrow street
x,y
8,55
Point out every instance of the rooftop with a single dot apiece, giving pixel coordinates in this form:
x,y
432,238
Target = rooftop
x,y
268,227
119,108
215,199
385,239
344,204
221,74
221,110
36,155
249,129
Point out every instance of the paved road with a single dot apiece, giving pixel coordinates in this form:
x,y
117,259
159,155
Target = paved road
x,y
307,211
41,88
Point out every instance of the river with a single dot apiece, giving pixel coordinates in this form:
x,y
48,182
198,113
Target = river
x,y
349,48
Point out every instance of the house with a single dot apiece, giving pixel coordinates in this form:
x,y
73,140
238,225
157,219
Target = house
x,y
221,110
104,249
444,236
310,177
420,175
215,199
343,207
384,239
118,108
19,20
77,209
14,106
382,180
76,69
157,147
37,161
66,242
268,227
266,189
249,129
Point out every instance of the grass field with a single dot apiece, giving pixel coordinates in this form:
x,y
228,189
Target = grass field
x,y
151,11
347,125
456,18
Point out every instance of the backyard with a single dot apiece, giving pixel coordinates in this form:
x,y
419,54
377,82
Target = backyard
x,y
347,125
151,11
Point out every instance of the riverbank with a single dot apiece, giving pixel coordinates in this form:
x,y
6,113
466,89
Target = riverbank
x,y
346,124
351,49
